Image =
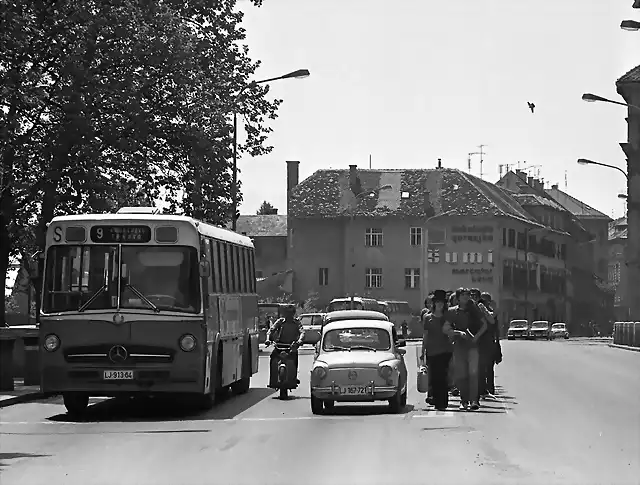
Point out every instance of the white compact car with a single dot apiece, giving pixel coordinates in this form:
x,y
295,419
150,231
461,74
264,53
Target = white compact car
x,y
358,361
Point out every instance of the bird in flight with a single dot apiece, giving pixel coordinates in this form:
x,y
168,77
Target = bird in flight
x,y
531,106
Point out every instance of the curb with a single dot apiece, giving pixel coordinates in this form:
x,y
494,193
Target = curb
x,y
30,396
625,347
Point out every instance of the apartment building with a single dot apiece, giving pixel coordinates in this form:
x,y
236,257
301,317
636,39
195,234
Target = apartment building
x,y
618,277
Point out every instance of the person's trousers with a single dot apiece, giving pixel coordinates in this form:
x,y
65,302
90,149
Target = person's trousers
x,y
466,359
485,368
439,379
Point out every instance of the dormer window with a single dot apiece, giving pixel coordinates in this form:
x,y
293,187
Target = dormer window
x,y
404,195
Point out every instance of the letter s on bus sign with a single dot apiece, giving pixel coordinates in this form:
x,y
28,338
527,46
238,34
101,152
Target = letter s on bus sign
x,y
57,234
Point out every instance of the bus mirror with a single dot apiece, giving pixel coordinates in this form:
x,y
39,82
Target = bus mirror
x,y
205,269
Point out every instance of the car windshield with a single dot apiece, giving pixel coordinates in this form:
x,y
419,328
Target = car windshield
x,y
311,320
361,338
80,278
558,326
540,324
335,306
518,324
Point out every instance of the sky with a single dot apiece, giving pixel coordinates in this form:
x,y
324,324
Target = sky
x,y
435,79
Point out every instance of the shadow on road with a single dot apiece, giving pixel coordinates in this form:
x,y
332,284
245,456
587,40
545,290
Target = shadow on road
x,y
349,409
4,457
290,397
154,409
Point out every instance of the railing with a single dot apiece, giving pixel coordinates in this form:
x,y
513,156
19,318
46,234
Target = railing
x,y
626,333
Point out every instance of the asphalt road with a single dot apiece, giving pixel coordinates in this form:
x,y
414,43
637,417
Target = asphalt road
x,y
568,412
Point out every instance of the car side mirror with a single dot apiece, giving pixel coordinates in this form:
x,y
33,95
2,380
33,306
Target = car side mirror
x,y
401,343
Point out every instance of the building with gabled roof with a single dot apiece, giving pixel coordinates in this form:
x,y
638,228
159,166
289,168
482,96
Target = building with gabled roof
x,y
588,291
361,231
269,234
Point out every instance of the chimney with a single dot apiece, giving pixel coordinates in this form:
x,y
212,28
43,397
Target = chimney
x,y
354,181
292,180
521,174
554,186
439,162
531,181
538,184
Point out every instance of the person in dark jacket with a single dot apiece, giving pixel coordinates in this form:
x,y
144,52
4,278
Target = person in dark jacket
x,y
437,349
287,331
487,347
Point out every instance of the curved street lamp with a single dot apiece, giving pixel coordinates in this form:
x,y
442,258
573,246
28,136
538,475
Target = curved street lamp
x,y
631,25
299,74
594,97
584,161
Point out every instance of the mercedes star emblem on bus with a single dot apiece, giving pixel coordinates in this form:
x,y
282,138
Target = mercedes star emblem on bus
x,y
118,354
118,318
353,375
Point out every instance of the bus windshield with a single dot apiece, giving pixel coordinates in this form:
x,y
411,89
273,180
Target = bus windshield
x,y
80,278
338,305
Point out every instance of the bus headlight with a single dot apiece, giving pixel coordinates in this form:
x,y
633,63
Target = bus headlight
x,y
51,343
187,342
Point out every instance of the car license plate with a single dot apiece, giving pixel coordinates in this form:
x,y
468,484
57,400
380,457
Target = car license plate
x,y
354,390
117,375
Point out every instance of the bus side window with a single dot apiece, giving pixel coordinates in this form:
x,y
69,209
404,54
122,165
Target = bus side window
x,y
224,275
229,264
215,266
212,274
237,250
243,272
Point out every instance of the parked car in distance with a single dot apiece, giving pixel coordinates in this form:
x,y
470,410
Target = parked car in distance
x,y
540,329
559,330
360,360
518,329
312,326
342,315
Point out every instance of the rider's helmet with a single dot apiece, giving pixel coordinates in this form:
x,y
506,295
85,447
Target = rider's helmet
x,y
288,311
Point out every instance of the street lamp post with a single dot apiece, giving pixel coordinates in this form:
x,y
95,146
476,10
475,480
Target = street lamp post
x,y
424,256
351,260
299,74
590,98
584,161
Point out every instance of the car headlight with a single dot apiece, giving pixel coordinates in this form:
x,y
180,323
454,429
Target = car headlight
x,y
385,371
319,372
51,342
187,342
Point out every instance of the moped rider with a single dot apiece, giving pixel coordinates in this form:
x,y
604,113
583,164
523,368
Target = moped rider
x,y
287,330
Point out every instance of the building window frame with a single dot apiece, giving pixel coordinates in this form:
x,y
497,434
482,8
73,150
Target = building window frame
x,y
412,278
373,278
373,237
415,236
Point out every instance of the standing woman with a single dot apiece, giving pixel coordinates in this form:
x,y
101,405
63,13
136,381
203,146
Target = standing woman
x,y
438,349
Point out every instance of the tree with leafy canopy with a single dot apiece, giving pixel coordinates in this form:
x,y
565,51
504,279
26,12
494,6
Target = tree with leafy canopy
x,y
105,102
266,209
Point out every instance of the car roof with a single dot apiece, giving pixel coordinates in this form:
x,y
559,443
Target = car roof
x,y
541,321
359,323
356,314
310,314
559,323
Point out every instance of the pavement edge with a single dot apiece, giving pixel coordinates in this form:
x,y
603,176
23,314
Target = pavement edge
x,y
625,347
31,396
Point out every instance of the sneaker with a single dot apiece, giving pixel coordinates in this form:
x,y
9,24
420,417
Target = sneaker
x,y
488,395
474,406
464,406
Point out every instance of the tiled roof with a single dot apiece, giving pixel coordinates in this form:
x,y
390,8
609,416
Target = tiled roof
x,y
267,225
412,193
537,200
573,205
618,229
633,76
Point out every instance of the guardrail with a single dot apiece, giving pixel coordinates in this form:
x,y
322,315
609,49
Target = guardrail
x,y
626,333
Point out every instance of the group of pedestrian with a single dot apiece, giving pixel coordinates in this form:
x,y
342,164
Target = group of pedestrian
x,y
460,346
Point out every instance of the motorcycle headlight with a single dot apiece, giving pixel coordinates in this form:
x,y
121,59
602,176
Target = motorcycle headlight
x,y
51,342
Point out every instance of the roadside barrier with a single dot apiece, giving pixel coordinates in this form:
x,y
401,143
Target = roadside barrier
x,y
626,333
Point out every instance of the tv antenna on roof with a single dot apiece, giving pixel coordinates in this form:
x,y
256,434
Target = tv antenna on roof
x,y
482,153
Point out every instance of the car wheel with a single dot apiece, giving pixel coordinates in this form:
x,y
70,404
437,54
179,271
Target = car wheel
x,y
329,405
316,405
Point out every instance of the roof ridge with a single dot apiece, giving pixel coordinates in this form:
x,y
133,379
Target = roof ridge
x,y
468,178
631,76
584,204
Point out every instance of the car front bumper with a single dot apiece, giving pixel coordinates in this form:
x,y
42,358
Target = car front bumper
x,y
374,392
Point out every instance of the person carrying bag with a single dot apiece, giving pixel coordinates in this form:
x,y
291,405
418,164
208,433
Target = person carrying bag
x,y
437,350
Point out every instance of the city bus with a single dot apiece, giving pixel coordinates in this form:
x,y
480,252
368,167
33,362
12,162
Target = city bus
x,y
138,303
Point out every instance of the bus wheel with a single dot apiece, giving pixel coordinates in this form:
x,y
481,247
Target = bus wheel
x,y
75,402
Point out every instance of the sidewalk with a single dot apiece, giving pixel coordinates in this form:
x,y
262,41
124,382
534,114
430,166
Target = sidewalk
x,y
21,393
625,347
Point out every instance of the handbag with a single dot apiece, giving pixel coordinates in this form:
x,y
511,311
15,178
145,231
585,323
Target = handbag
x,y
423,380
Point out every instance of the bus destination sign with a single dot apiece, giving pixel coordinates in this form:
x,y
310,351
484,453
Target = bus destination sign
x,y
121,234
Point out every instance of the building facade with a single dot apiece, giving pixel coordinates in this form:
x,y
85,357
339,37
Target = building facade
x,y
269,234
364,232
618,276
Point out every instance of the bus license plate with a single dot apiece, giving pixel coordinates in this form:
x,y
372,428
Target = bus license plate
x,y
354,390
117,375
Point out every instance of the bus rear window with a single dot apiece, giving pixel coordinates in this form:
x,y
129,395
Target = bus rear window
x,y
335,306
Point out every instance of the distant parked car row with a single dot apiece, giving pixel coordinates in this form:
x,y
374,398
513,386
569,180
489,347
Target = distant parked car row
x,y
537,329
